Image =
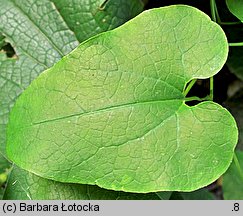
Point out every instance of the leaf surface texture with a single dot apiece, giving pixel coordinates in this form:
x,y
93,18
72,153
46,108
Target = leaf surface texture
x,y
112,112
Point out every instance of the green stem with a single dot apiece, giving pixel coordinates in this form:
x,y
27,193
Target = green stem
x,y
216,17
213,12
211,88
236,44
188,88
237,164
230,23
216,12
194,98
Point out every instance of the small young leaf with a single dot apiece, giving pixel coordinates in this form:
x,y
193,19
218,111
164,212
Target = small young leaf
x,y
113,113
23,185
233,179
236,8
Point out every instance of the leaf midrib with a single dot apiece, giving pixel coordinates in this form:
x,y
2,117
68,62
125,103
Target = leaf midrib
x,y
104,110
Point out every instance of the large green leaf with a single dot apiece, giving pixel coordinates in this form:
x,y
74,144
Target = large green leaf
x,y
236,8
113,113
233,179
42,31
23,185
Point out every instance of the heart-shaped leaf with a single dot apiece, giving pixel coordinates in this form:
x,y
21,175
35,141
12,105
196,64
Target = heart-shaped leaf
x,y
113,112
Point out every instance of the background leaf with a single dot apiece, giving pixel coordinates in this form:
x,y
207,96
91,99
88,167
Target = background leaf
x,y
233,181
96,16
4,166
2,41
201,194
123,91
165,195
235,58
236,8
23,185
235,61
